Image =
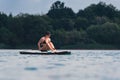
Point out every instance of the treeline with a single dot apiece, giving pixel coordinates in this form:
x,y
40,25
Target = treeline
x,y
95,27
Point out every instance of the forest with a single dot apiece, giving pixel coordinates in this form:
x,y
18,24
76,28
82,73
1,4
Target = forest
x,y
95,27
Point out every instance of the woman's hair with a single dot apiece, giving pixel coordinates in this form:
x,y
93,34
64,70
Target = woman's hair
x,y
47,33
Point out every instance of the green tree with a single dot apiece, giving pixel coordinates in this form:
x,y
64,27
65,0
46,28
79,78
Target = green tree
x,y
107,33
101,20
100,9
58,10
58,5
62,37
6,36
81,23
3,19
66,24
34,27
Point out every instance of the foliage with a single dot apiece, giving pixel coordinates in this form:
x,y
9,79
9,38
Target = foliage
x,y
81,23
97,27
66,24
100,9
59,10
108,33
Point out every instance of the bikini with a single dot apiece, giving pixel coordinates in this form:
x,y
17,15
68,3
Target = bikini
x,y
41,44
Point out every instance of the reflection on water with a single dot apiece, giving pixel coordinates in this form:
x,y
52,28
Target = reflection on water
x,y
31,68
80,65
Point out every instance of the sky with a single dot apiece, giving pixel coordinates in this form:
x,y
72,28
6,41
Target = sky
x,y
42,6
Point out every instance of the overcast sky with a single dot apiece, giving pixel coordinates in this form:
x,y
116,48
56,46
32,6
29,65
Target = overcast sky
x,y
42,6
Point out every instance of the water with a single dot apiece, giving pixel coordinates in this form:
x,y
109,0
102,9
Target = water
x,y
80,65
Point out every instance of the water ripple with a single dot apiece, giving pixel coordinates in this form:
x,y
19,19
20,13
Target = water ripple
x,y
31,68
80,65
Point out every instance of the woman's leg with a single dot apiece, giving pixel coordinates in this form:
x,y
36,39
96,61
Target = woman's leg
x,y
52,45
45,47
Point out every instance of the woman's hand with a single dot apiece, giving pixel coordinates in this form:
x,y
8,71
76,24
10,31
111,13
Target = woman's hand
x,y
39,48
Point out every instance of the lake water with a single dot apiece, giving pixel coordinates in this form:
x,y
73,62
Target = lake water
x,y
80,65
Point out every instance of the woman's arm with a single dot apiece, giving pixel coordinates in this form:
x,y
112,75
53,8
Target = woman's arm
x,y
39,44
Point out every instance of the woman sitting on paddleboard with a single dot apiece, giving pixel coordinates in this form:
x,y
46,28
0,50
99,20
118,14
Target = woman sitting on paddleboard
x,y
45,43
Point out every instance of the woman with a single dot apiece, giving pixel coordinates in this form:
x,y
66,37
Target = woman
x,y
45,43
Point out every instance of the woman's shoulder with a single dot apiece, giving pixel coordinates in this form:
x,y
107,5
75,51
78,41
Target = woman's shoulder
x,y
43,38
47,39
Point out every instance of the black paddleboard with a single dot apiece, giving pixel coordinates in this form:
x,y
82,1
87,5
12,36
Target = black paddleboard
x,y
45,53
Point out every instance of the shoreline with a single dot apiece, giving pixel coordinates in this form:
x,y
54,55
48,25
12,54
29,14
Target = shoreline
x,y
62,49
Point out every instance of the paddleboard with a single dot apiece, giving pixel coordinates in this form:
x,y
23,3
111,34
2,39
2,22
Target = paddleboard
x,y
35,52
